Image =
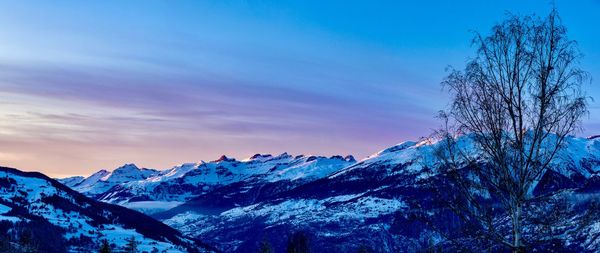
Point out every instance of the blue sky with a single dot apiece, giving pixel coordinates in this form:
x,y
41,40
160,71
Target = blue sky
x,y
90,85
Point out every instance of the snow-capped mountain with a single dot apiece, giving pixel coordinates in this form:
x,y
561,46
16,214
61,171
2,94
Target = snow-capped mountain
x,y
103,180
46,216
151,190
386,202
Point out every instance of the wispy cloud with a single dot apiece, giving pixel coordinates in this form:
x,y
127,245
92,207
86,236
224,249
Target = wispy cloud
x,y
77,109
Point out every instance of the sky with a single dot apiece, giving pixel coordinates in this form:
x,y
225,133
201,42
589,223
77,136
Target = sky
x,y
89,85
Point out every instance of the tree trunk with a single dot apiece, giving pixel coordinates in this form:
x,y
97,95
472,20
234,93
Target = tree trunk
x,y
517,245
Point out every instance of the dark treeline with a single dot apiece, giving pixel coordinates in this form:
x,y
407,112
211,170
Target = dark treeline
x,y
299,242
21,237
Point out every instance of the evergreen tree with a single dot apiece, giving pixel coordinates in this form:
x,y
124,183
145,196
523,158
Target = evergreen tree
x,y
265,247
105,247
26,242
131,246
5,245
25,238
298,243
364,249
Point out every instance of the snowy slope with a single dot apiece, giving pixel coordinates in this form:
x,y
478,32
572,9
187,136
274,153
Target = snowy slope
x,y
71,181
60,219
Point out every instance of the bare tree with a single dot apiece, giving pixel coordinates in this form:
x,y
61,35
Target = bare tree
x,y
517,100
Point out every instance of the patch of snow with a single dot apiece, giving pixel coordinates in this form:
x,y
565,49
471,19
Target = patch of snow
x,y
4,209
299,210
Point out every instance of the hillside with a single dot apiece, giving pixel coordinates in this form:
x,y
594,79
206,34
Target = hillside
x,y
39,213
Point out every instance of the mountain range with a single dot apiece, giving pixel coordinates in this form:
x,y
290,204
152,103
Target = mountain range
x,y
387,202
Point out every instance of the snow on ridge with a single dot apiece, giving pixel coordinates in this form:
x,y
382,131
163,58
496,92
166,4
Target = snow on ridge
x,y
71,181
128,172
310,168
131,170
574,156
129,181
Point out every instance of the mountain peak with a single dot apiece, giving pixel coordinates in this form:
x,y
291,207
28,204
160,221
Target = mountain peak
x,y
350,158
126,167
400,146
224,158
339,157
101,172
260,157
284,155
128,172
594,137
